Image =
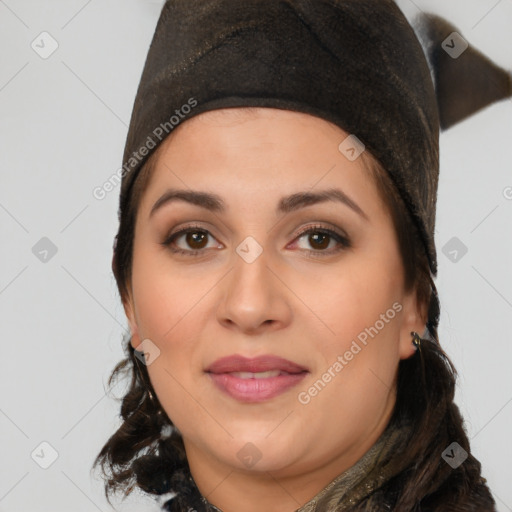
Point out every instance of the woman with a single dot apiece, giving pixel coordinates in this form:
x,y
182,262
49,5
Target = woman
x,y
275,258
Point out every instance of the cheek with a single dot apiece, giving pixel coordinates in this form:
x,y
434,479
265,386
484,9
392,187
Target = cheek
x,y
362,309
173,320
356,300
164,296
354,383
171,312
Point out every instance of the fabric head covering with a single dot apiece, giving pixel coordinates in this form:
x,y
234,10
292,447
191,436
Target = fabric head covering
x,y
355,63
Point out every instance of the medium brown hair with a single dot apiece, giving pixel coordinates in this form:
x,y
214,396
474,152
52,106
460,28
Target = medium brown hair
x,y
147,452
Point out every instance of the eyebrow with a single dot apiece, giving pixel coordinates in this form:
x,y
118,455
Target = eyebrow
x,y
293,202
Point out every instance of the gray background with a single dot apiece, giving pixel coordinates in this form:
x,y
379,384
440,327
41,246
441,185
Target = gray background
x,y
63,122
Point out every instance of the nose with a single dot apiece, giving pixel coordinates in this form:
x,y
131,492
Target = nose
x,y
254,300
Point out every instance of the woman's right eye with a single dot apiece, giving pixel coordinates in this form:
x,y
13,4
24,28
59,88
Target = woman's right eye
x,y
195,238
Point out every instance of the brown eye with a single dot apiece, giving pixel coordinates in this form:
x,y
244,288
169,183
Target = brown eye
x,y
196,239
190,241
319,240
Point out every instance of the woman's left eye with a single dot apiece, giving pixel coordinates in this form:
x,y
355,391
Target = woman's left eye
x,y
318,237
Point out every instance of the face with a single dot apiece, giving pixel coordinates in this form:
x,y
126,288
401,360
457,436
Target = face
x,y
291,272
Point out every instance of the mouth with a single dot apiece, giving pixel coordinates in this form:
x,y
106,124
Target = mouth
x,y
257,379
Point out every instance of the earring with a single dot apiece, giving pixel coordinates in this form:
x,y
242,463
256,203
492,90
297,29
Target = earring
x,y
416,340
151,396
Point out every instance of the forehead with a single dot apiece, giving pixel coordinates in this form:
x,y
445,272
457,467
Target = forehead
x,y
250,134
238,150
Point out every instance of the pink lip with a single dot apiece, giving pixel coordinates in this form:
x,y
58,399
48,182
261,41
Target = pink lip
x,y
252,389
263,363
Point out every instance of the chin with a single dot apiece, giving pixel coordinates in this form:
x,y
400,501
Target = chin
x,y
260,452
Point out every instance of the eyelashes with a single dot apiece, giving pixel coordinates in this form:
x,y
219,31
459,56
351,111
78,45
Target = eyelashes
x,y
317,236
190,230
325,234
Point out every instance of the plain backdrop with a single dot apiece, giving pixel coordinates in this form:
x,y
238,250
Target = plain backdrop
x,y
63,123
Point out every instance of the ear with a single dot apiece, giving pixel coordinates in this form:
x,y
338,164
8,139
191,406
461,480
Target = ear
x,y
414,318
128,303
129,309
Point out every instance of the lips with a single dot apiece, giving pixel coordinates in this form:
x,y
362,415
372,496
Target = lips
x,y
236,363
257,379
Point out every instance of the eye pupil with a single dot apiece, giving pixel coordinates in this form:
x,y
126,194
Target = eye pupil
x,y
322,244
194,237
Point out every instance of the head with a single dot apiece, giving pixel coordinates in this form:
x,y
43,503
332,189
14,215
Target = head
x,y
270,266
341,306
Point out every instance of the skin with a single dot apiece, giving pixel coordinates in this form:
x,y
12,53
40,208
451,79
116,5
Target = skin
x,y
302,307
